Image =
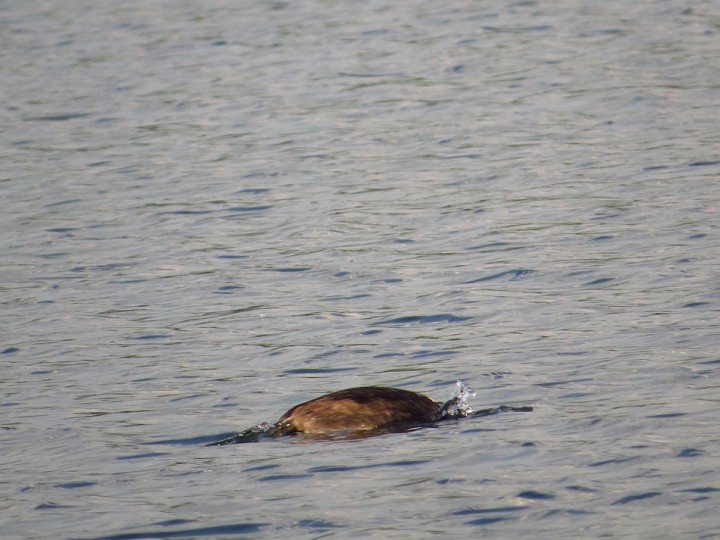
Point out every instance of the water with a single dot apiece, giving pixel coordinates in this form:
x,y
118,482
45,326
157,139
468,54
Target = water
x,y
214,211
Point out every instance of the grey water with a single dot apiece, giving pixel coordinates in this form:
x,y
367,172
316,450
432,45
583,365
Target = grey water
x,y
212,211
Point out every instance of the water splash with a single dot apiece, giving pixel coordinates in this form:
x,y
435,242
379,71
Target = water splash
x,y
457,406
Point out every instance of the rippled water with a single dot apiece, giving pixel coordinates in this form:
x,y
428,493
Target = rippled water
x,y
213,211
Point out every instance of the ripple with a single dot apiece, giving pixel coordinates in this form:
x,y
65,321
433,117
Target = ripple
x,y
517,273
639,497
423,319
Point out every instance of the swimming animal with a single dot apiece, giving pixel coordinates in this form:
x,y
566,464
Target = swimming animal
x,y
359,409
354,411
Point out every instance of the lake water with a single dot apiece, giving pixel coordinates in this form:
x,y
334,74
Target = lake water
x,y
215,210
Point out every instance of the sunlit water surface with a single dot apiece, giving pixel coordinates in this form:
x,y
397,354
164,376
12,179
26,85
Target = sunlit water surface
x,y
215,210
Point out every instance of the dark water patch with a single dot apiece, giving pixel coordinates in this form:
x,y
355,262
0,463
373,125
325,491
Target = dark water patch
x,y
173,522
75,485
254,191
639,497
57,117
63,229
62,203
697,236
703,163
603,238
186,213
495,375
572,353
424,319
461,156
613,461
151,337
142,456
514,274
447,481
701,490
370,332
316,371
10,350
489,246
486,520
212,532
717,361
242,209
655,168
343,298
230,288
576,395
344,468
183,398
494,510
316,524
52,506
598,281
695,304
690,452
258,174
280,477
478,430
667,415
606,215
315,156
232,256
535,495
581,489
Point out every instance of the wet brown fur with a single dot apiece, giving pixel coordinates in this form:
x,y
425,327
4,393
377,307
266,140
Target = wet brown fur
x,y
359,409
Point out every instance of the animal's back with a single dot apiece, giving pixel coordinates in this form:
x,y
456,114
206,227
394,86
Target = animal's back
x,y
359,409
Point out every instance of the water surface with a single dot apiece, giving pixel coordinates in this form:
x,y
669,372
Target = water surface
x,y
215,211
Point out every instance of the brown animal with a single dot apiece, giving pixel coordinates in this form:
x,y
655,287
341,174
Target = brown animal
x,y
359,409
360,412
